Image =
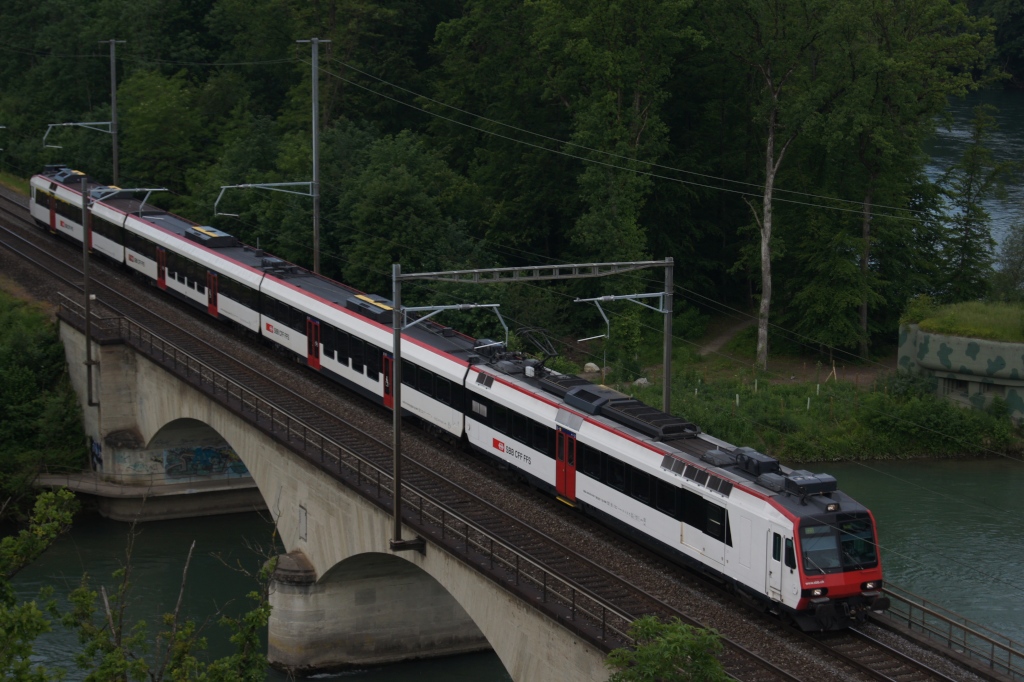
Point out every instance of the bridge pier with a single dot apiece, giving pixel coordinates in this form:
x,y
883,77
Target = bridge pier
x,y
371,609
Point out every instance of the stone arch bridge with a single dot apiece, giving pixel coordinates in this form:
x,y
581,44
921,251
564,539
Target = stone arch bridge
x,y
340,597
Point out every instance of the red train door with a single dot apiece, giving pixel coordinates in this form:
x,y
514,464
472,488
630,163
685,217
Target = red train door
x,y
211,293
87,229
53,214
161,267
388,370
313,342
565,464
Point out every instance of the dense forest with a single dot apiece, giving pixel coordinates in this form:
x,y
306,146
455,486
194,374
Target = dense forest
x,y
773,149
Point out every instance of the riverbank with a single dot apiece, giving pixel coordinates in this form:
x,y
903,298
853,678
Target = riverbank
x,y
803,410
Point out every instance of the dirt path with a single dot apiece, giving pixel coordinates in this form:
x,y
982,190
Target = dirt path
x,y
731,328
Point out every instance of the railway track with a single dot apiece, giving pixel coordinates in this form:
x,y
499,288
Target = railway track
x,y
877,659
473,521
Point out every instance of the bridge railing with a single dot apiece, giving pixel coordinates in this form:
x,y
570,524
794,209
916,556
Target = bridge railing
x,y
572,605
997,652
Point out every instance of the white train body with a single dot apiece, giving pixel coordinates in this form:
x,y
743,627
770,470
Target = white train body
x,y
788,538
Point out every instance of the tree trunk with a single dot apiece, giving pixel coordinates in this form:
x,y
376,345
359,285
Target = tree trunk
x,y
766,247
864,256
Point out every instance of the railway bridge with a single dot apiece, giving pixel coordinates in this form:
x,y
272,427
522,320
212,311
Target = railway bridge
x,y
340,597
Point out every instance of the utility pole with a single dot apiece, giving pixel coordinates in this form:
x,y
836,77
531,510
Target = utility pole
x,y
113,100
86,239
315,47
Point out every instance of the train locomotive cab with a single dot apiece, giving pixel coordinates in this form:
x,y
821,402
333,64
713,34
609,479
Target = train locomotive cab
x,y
838,562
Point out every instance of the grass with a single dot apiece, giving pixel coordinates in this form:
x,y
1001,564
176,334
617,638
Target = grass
x,y
974,319
14,182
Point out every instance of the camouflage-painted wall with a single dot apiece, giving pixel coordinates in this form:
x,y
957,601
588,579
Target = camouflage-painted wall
x,y
968,371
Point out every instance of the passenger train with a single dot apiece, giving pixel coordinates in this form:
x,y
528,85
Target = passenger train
x,y
786,538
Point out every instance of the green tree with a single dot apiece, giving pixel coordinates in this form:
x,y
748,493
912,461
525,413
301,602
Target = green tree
x,y
787,49
968,250
22,622
668,652
1008,280
162,130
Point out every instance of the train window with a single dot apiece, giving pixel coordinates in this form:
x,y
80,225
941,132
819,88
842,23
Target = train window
x,y
665,497
42,198
857,541
520,428
499,418
409,372
356,351
443,391
640,485
702,477
694,510
691,472
344,343
776,547
588,460
480,410
790,554
616,473
372,357
425,382
458,397
544,439
715,527
107,229
327,338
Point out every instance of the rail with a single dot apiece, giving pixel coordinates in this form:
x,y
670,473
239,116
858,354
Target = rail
x,y
1000,654
573,606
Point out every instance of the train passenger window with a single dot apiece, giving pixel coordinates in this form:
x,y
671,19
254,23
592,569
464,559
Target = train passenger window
x,y
588,460
544,439
409,372
42,198
691,472
480,411
458,397
371,355
425,382
665,497
716,522
640,485
790,554
702,477
443,390
343,342
327,333
520,428
616,476
776,547
499,418
695,510
356,350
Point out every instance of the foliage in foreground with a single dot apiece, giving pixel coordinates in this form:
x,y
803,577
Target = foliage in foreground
x,y
668,652
114,649
40,419
22,622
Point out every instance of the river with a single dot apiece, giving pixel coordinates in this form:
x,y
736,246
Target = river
x,y
1006,143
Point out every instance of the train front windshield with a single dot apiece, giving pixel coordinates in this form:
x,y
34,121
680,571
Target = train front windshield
x,y
842,543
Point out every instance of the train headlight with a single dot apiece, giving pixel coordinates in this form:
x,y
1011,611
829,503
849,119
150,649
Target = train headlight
x,y
871,585
815,593
819,592
832,507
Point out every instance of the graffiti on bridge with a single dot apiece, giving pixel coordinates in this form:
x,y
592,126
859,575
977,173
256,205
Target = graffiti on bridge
x,y
203,461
